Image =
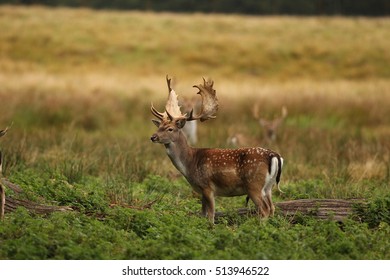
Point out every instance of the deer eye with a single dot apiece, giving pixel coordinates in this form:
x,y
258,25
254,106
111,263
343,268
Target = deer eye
x,y
170,129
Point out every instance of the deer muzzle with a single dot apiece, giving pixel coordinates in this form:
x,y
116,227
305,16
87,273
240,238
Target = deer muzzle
x,y
154,138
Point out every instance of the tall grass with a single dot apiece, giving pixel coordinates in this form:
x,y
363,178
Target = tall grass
x,y
339,139
77,84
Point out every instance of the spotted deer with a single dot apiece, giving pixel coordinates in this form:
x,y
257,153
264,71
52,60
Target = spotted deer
x,y
216,172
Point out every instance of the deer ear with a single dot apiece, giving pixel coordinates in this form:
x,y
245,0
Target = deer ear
x,y
156,123
180,123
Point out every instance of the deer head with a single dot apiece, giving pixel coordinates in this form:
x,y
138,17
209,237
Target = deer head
x,y
270,127
216,172
172,119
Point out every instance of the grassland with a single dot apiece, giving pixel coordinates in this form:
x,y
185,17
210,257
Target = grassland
x,y
77,86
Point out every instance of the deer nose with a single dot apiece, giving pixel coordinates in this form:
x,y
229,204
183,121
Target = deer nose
x,y
154,138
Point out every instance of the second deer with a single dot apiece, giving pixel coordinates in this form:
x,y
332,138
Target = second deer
x,y
216,172
270,127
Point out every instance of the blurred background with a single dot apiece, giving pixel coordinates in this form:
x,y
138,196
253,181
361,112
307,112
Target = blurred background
x,y
309,79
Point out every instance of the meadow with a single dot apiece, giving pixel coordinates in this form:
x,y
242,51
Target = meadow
x,y
77,84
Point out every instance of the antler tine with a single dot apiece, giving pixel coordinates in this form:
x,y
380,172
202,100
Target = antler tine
x,y
210,82
156,113
172,107
209,102
169,84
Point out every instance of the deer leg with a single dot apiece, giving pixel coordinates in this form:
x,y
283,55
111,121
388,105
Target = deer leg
x,y
261,206
208,205
267,205
204,206
247,200
268,198
267,194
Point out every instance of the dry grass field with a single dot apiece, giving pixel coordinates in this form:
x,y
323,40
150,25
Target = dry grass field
x,y
76,85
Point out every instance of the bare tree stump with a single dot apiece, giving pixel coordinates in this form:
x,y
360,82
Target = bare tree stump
x,y
334,209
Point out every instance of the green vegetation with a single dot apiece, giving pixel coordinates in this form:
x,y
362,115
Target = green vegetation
x,y
77,85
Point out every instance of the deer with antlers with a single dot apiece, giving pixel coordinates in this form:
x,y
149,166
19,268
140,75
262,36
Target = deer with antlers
x,y
270,127
216,172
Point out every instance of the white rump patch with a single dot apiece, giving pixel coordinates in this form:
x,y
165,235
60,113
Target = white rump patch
x,y
270,179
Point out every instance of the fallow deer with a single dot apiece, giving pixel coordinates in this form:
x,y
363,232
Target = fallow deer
x,y
191,128
216,172
238,139
270,127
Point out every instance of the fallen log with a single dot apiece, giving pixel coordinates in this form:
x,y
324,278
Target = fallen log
x,y
9,204
12,203
335,209
324,209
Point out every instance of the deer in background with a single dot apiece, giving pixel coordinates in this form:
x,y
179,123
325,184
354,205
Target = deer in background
x,y
270,127
216,172
191,128
239,139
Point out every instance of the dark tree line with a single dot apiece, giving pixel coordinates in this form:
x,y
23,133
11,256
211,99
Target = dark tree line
x,y
253,7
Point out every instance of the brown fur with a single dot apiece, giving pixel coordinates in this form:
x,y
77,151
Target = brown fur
x,y
220,172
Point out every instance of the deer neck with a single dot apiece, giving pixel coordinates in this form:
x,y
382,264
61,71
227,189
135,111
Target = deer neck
x,y
181,154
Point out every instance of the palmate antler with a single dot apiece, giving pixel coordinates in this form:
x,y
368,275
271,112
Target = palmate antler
x,y
172,109
209,102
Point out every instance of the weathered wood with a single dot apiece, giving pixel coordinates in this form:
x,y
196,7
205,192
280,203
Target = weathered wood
x,y
15,188
334,209
10,204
